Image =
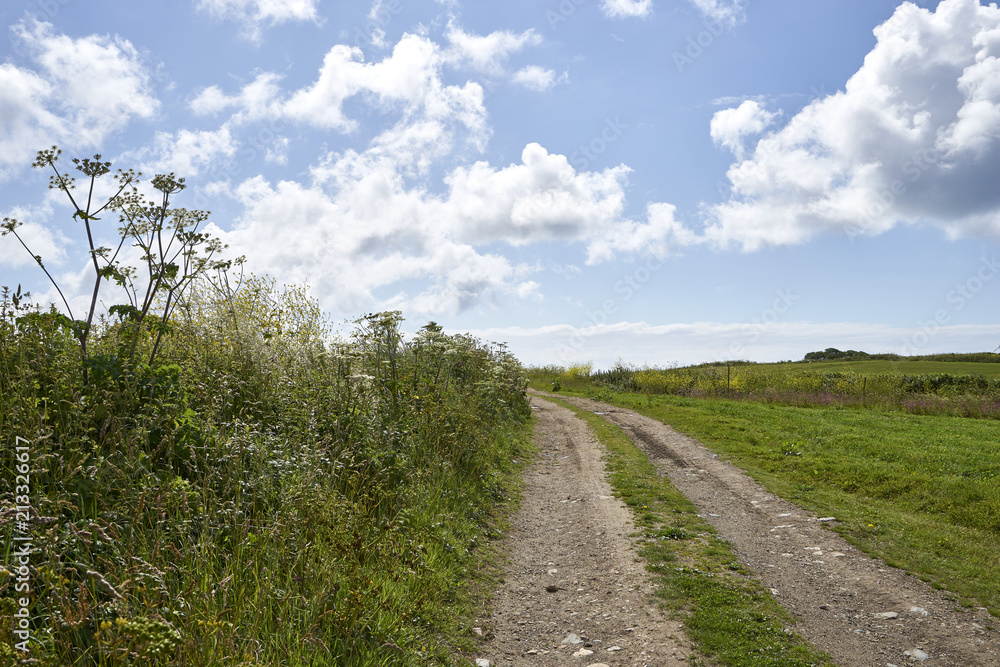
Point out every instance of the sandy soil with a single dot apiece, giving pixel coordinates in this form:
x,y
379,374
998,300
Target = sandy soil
x,y
571,534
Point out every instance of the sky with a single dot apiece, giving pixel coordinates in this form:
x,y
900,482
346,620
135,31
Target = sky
x,y
652,182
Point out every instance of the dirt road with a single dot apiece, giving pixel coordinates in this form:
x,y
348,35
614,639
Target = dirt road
x,y
572,536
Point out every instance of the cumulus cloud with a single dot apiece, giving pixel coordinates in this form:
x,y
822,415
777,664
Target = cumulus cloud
x,y
406,218
410,76
358,231
731,127
258,99
79,92
255,15
913,137
627,8
186,152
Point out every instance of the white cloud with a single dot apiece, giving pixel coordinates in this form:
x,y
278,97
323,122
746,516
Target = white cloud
x,y
358,231
662,345
380,226
185,152
914,137
41,240
487,53
731,127
81,91
627,8
257,14
727,12
258,99
410,77
537,78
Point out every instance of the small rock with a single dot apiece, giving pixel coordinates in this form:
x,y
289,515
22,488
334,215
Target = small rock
x,y
477,631
552,588
482,662
827,519
614,648
887,614
919,610
572,638
531,651
916,654
583,653
598,664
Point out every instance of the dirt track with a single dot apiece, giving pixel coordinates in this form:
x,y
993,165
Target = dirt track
x,y
570,533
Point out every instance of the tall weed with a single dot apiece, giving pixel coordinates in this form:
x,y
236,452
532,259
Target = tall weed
x,y
266,494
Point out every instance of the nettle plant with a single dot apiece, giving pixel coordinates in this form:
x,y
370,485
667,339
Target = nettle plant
x,y
174,253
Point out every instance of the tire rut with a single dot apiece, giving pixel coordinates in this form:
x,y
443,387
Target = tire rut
x,y
858,609
571,534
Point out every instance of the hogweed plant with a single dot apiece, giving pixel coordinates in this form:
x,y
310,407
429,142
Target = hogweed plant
x,y
174,251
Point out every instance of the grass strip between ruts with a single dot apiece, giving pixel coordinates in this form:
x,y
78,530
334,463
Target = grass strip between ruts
x,y
732,619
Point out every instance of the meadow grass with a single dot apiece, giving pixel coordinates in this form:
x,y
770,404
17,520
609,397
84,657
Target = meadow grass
x,y
904,366
266,495
876,384
920,491
732,619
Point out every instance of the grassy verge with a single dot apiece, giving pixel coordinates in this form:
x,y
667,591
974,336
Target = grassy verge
x,y
732,618
920,491
263,497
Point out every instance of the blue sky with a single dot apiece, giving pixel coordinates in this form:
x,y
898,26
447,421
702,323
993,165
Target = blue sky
x,y
587,180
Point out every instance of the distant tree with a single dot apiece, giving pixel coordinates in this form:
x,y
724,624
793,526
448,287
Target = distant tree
x,y
832,353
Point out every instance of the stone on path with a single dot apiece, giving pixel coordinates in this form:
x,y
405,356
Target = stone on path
x,y
572,638
916,654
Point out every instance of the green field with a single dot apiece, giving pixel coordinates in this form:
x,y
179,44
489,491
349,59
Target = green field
x,y
921,491
905,366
